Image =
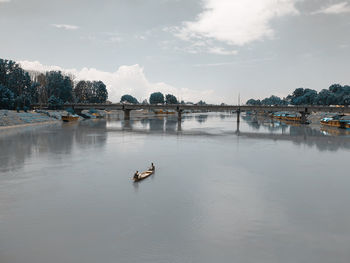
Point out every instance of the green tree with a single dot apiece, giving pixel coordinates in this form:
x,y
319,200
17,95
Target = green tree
x,y
100,92
34,92
128,98
6,98
171,99
346,100
14,78
90,92
302,96
82,91
61,87
324,97
55,103
253,102
156,97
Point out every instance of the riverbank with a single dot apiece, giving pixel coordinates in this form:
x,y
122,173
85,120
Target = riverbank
x,y
11,119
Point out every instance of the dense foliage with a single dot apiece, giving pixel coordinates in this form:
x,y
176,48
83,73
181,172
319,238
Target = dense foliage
x,y
90,92
16,86
128,98
18,90
335,95
59,86
156,97
171,99
7,99
54,103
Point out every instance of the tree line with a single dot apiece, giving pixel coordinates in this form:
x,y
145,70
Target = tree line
x,y
336,94
157,98
19,89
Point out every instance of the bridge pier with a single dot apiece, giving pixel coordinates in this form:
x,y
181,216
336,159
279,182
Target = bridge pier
x,y
304,116
179,115
179,126
238,115
126,114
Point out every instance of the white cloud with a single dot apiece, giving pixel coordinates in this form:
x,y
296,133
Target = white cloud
x,y
236,22
127,80
5,1
335,9
221,51
66,27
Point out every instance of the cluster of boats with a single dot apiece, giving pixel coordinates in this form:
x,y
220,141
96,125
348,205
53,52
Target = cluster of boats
x,y
339,121
92,114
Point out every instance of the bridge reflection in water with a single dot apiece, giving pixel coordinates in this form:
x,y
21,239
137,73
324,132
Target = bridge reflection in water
x,y
63,138
251,126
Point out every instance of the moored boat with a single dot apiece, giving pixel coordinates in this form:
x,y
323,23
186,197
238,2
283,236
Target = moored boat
x,y
68,118
345,122
287,116
339,121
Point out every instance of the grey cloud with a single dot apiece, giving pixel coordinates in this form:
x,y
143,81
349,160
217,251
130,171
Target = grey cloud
x,y
335,9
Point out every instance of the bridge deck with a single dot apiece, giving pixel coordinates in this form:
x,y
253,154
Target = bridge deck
x,y
181,107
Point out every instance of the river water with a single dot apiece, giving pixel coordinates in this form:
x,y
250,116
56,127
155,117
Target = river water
x,y
262,191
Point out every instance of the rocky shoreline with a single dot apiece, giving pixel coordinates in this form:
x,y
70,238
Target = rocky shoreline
x,y
9,118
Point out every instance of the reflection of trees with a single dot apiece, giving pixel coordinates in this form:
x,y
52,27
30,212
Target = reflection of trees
x,y
156,124
19,144
252,120
201,118
144,122
15,149
91,132
171,124
299,134
187,117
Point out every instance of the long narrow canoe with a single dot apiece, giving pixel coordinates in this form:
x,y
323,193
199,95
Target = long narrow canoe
x,y
143,175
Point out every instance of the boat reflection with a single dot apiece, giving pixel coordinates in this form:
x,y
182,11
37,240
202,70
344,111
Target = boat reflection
x,y
323,138
18,144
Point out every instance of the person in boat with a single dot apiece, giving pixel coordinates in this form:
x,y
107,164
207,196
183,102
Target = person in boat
x,y
152,167
136,175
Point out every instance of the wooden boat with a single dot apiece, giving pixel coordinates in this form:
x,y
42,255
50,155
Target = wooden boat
x,y
143,175
286,116
68,118
339,121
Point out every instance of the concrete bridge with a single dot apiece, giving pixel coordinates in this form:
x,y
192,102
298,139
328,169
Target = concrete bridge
x,y
304,110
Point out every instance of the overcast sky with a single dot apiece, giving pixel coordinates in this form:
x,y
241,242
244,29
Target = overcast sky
x,y
195,49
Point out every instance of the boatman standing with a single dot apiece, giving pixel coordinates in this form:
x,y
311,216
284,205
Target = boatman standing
x,y
152,167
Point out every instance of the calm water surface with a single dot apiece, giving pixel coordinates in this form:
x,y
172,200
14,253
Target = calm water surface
x,y
262,191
